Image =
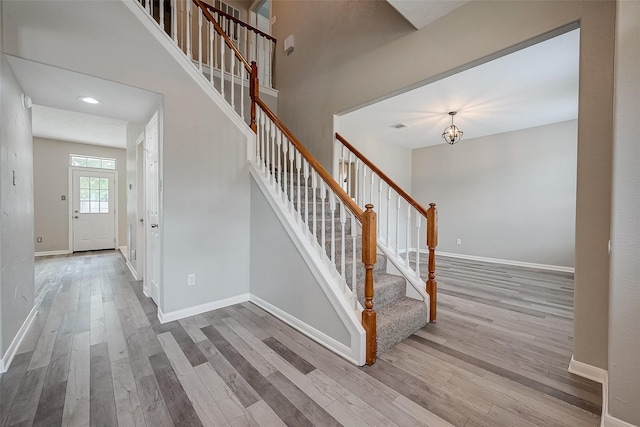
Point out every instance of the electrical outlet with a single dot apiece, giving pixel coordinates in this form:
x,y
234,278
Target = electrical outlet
x,y
39,239
458,241
133,254
191,279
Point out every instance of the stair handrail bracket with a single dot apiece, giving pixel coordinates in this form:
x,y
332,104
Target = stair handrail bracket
x,y
397,213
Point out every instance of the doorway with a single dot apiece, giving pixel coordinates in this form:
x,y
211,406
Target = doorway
x,y
151,205
94,205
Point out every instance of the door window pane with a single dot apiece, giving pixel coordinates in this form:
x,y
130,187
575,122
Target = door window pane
x,y
94,194
92,162
108,164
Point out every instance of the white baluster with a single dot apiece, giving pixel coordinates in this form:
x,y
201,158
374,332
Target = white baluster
x,y
268,162
332,210
299,179
418,236
323,231
278,180
371,187
349,177
285,146
291,172
211,43
162,14
380,206
388,216
242,78
354,281
147,6
221,66
272,153
305,218
408,227
232,71
363,185
174,22
263,158
200,39
270,65
215,53
314,186
189,30
343,239
398,226
357,183
246,43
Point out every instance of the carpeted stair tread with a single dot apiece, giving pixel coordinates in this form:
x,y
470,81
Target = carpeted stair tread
x,y
388,289
398,321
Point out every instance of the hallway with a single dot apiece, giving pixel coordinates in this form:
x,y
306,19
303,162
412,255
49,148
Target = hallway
x,y
97,355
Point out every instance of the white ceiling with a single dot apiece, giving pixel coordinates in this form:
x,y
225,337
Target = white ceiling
x,y
420,12
532,87
58,113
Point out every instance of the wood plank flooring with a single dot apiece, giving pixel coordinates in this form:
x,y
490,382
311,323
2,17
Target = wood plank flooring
x,y
98,356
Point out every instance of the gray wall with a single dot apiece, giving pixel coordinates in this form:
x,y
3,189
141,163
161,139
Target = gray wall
x,y
508,196
51,180
624,309
16,208
350,53
280,276
205,222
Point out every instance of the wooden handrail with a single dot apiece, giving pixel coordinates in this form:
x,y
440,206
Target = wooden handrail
x,y
222,34
382,175
241,23
326,176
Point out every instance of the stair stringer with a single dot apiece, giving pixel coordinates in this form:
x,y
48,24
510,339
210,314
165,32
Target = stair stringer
x,y
328,280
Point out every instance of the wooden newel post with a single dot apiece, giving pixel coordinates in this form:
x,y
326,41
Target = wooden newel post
x,y
369,240
432,242
254,88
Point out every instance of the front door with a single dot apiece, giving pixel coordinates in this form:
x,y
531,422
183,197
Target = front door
x,y
93,205
152,205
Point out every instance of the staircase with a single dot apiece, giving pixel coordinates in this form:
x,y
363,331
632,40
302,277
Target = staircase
x,y
337,227
398,316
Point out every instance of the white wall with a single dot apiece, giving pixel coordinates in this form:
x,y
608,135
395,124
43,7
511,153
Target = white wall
x,y
16,209
51,181
280,276
205,189
509,196
624,307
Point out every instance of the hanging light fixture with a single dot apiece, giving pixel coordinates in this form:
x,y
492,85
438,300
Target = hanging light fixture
x,y
452,134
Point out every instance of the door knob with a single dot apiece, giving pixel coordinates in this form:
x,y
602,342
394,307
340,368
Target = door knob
x,y
76,217
141,219
154,225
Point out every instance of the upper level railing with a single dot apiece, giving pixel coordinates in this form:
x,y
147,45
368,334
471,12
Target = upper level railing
x,y
310,193
398,213
187,25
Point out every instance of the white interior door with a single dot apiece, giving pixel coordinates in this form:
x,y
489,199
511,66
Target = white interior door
x,y
140,210
93,205
152,202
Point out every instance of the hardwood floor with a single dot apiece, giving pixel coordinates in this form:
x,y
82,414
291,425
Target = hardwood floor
x,y
97,355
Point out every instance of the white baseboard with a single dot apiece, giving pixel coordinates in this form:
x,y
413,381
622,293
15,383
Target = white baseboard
x,y
584,370
49,253
601,376
7,358
133,271
199,309
316,335
506,261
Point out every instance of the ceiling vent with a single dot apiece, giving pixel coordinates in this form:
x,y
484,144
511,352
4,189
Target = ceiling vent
x,y
399,126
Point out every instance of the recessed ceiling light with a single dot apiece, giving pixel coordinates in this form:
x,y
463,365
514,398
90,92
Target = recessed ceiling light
x,y
89,100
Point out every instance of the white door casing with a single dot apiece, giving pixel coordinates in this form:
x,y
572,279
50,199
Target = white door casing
x,y
152,208
140,210
93,209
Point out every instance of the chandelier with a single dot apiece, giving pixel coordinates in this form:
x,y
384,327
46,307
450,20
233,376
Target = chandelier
x,y
452,134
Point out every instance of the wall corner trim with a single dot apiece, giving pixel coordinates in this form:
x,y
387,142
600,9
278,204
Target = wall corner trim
x,y
17,340
199,309
587,371
601,376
